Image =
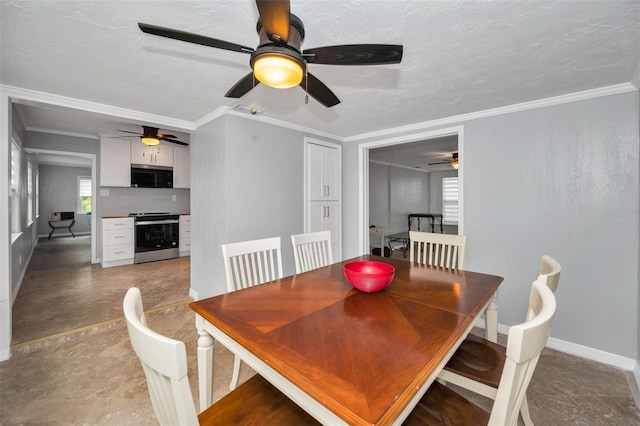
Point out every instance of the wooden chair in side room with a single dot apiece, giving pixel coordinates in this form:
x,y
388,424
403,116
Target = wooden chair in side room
x,y
311,250
441,405
477,365
447,251
249,263
164,361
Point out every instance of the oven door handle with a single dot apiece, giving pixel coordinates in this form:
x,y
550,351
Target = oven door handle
x,y
156,222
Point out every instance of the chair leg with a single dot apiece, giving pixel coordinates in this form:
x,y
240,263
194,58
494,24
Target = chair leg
x,y
524,411
236,372
491,320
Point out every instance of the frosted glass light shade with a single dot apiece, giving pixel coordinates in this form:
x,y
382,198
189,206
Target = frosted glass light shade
x,y
149,140
278,71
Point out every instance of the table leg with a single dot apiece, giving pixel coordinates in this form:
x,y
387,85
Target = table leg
x,y
51,233
491,320
205,365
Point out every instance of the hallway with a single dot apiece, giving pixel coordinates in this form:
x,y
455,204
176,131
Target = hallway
x,y
72,363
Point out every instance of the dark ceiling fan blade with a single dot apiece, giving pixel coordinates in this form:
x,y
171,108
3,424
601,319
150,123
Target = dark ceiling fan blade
x,y
355,54
243,86
177,142
133,133
163,136
454,159
193,38
275,18
319,91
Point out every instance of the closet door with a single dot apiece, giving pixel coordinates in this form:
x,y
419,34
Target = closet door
x,y
323,211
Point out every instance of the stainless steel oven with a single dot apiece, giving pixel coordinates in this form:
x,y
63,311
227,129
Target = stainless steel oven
x,y
156,236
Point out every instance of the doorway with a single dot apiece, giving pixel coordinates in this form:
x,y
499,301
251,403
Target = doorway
x,y
72,159
364,181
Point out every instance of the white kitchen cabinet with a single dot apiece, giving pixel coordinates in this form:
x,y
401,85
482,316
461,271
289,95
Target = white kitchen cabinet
x,y
155,155
184,232
181,168
323,167
118,246
115,163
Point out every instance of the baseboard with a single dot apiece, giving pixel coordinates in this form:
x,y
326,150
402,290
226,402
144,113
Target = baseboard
x,y
592,354
586,352
193,294
5,354
635,387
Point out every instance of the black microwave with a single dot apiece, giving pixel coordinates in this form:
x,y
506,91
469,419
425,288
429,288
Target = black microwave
x,y
151,177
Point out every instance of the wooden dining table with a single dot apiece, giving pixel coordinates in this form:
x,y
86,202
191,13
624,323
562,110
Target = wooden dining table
x,y
345,356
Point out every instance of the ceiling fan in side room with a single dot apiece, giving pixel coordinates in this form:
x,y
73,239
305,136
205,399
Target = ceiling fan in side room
x,y
278,60
151,136
453,162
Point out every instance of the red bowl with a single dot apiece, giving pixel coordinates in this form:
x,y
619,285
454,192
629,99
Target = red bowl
x,y
369,276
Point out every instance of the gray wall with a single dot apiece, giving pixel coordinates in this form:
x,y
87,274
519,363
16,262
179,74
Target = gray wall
x,y
564,183
23,246
394,192
247,183
58,192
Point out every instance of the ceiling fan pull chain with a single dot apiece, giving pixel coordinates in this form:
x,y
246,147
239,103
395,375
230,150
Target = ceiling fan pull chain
x,y
306,88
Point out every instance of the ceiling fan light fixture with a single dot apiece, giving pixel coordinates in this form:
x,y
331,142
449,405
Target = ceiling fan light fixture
x,y
278,70
454,164
150,140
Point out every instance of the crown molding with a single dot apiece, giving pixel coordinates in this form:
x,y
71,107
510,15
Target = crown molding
x,y
34,97
267,120
541,103
61,133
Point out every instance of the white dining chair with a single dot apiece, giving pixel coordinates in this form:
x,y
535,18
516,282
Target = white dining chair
x,y
443,250
478,364
448,251
311,250
164,361
249,263
441,405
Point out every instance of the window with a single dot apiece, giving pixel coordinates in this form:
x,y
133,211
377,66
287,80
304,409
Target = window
x,y
450,208
30,192
37,193
16,159
84,194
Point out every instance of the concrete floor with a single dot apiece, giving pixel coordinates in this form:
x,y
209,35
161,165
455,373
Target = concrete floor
x,y
72,362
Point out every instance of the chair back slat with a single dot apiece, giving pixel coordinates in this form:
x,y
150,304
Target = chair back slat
x,y
524,345
164,361
249,263
443,250
311,250
548,273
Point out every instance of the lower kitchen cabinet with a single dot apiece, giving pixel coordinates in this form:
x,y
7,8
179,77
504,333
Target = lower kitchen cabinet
x,y
185,234
117,241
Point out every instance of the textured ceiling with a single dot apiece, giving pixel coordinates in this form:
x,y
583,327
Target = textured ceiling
x,y
459,57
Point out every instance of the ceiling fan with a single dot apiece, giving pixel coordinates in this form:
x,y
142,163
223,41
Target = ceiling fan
x,y
151,136
453,162
278,61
